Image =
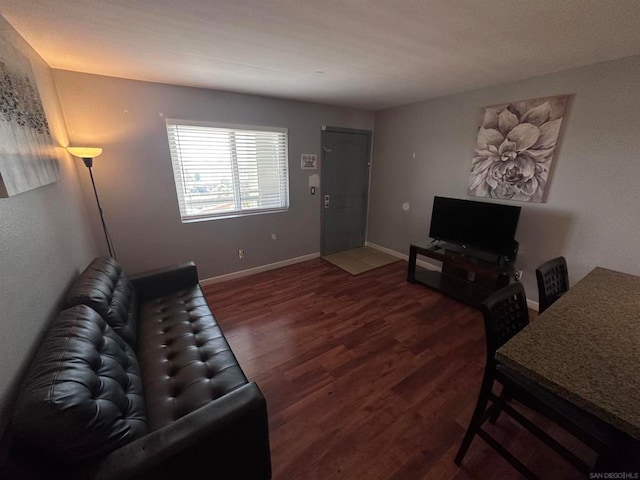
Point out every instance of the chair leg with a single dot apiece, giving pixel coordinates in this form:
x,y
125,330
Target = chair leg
x,y
551,442
515,463
477,418
499,405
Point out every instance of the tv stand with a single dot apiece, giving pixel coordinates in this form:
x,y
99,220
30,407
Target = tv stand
x,y
467,275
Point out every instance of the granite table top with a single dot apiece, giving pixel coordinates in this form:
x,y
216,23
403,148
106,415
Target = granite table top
x,y
585,348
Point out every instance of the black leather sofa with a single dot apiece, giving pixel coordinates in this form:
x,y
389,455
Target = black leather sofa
x,y
135,379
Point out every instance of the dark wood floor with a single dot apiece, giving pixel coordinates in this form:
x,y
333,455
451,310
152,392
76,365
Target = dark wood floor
x,y
368,377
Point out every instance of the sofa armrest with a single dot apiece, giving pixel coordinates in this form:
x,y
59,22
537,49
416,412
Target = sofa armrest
x,y
228,437
158,283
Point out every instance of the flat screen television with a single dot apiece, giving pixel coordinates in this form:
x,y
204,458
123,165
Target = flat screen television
x,y
480,225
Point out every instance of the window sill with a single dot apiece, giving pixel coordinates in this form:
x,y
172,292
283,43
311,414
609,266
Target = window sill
x,y
208,218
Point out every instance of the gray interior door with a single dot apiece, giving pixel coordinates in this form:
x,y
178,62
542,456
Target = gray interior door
x,y
344,185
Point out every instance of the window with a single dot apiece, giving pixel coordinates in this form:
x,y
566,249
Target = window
x,y
228,170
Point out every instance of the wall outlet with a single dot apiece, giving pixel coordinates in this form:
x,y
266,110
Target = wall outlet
x,y
241,253
274,236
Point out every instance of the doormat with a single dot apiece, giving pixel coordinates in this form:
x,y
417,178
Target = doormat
x,y
360,260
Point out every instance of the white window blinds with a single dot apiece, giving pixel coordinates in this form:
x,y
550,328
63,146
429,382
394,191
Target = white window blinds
x,y
228,170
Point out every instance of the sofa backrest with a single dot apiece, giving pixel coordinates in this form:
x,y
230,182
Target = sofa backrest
x,y
82,396
105,288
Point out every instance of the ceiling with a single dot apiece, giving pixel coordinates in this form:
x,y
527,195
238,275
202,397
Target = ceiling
x,y
370,54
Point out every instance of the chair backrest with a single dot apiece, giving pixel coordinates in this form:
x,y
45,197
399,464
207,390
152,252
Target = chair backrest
x,y
553,281
505,314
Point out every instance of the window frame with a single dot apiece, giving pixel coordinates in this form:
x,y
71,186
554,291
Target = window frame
x,y
282,173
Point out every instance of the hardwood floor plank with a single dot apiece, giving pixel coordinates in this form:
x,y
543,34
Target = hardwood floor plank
x,y
368,377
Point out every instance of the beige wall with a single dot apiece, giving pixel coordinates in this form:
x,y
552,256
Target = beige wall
x,y
592,211
135,177
44,241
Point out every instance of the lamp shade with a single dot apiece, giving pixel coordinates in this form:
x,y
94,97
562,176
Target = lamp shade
x,y
84,152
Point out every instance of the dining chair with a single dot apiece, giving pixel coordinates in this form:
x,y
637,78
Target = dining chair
x,y
505,313
553,281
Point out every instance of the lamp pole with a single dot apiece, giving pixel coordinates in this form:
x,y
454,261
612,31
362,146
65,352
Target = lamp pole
x,y
89,163
87,154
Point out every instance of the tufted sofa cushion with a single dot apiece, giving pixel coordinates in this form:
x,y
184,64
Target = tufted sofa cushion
x,y
185,360
105,288
82,396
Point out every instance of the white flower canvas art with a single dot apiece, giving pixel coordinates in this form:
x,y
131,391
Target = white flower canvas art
x,y
515,148
27,150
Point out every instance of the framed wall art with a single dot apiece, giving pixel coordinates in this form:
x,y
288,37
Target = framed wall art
x,y
27,150
515,148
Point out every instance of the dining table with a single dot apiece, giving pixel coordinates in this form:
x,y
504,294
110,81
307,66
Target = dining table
x,y
585,348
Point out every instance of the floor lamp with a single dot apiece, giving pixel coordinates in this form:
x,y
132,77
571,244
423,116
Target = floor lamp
x,y
87,154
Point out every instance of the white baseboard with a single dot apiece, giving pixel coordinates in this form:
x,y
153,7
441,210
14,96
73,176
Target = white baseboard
x,y
261,268
533,305
291,261
530,303
388,251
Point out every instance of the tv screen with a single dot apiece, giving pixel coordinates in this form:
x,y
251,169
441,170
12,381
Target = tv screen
x,y
481,225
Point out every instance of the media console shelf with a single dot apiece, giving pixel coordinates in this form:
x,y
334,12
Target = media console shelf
x,y
467,275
